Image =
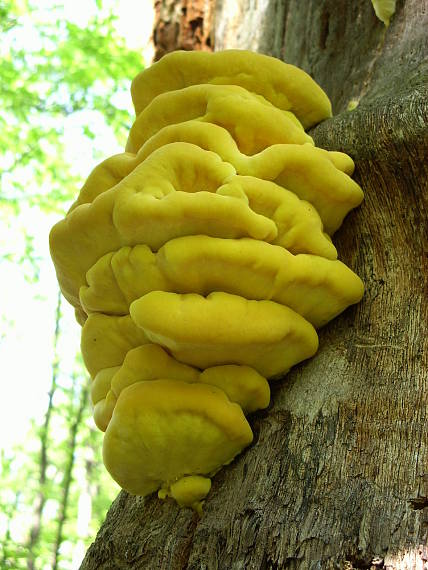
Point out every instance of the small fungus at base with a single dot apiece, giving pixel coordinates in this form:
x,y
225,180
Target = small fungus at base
x,y
384,10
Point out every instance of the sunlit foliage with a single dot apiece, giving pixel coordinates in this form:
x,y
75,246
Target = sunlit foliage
x,y
54,493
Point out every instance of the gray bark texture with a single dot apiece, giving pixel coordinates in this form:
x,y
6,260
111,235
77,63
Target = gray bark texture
x,y
337,476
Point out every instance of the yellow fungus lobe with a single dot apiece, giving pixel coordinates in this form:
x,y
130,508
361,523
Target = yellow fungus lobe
x,y
195,426
384,10
189,491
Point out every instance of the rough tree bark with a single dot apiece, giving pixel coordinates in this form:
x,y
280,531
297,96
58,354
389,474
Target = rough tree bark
x,y
182,24
337,476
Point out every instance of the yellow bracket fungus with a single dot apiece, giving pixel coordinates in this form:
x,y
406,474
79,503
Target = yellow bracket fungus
x,y
200,263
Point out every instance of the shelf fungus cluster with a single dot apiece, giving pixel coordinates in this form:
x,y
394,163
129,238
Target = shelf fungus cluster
x,y
200,262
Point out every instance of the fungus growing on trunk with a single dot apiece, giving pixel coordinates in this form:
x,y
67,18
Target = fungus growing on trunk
x,y
200,263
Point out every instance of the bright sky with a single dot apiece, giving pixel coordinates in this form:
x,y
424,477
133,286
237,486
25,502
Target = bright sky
x,y
27,312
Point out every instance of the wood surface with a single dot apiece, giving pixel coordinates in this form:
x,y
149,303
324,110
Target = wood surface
x,y
337,476
182,24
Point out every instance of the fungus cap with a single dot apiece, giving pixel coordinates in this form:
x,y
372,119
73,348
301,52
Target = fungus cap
x,y
103,411
285,86
150,362
241,384
106,340
101,384
163,430
253,122
225,329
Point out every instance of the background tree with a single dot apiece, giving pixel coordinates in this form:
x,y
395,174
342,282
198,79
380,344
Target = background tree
x,y
56,74
337,474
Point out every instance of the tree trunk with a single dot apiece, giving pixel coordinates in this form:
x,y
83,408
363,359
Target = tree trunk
x,y
77,411
41,498
337,476
182,24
